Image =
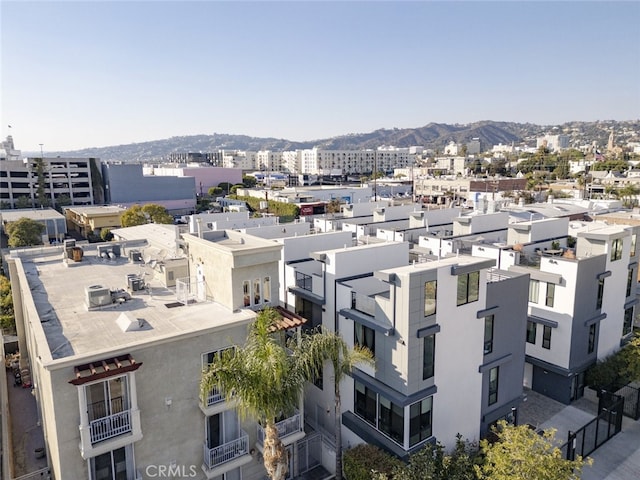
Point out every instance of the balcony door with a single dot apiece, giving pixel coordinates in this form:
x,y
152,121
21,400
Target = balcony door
x,y
113,465
222,428
107,398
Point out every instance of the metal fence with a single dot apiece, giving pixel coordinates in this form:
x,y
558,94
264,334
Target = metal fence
x,y
631,397
598,431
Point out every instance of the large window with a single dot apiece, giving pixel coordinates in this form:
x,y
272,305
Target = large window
x,y
428,357
534,289
488,334
551,293
209,357
391,419
388,417
592,338
629,281
257,298
600,293
616,249
628,321
633,245
494,373
366,403
430,291
112,465
531,332
546,337
468,287
420,421
365,337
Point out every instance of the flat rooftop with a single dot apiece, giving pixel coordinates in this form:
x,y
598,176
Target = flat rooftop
x,y
71,328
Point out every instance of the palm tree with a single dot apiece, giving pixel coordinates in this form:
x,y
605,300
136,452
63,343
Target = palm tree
x,y
330,346
265,380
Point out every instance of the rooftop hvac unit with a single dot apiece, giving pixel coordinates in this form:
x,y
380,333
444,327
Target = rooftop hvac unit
x,y
135,283
135,256
97,296
111,251
69,242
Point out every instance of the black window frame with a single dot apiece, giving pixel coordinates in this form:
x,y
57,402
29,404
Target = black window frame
x,y
489,324
627,325
629,281
493,385
370,345
427,308
420,422
600,294
466,292
532,330
550,295
591,346
546,337
429,357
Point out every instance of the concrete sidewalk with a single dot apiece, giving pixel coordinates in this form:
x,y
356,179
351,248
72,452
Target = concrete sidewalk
x,y
619,458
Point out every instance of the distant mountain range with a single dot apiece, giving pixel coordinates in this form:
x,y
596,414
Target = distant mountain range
x,y
433,135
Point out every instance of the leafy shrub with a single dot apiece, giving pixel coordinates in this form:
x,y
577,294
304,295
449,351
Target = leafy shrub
x,y
361,461
618,369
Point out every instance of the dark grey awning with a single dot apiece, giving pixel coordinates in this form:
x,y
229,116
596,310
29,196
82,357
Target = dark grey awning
x,y
366,320
307,295
383,389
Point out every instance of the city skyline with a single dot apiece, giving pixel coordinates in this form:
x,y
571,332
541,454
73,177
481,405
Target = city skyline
x,y
92,74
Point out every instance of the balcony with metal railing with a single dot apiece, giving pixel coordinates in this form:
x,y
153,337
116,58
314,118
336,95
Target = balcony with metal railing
x,y
110,426
290,430
216,456
215,402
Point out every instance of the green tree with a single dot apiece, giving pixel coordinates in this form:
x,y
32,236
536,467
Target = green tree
x,y
7,318
149,213
23,201
432,463
41,194
225,186
326,346
62,200
628,193
522,454
265,380
24,232
214,191
249,181
106,235
333,206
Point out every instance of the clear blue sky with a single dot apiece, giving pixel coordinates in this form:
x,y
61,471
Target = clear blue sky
x,y
90,74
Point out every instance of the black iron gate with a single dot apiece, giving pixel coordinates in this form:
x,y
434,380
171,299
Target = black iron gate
x,y
631,397
599,430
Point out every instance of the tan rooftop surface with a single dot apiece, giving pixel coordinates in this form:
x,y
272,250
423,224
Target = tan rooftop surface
x,y
72,329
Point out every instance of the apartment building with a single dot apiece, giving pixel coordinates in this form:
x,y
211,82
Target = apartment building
x,y
31,182
116,354
581,300
437,329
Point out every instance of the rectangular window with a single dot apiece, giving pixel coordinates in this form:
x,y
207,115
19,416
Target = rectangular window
x,y
629,281
420,421
246,292
493,385
531,332
266,290
366,402
209,357
628,322
551,292
592,338
488,334
257,299
428,357
534,288
112,465
365,337
633,245
546,337
616,249
430,291
391,419
600,293
468,288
